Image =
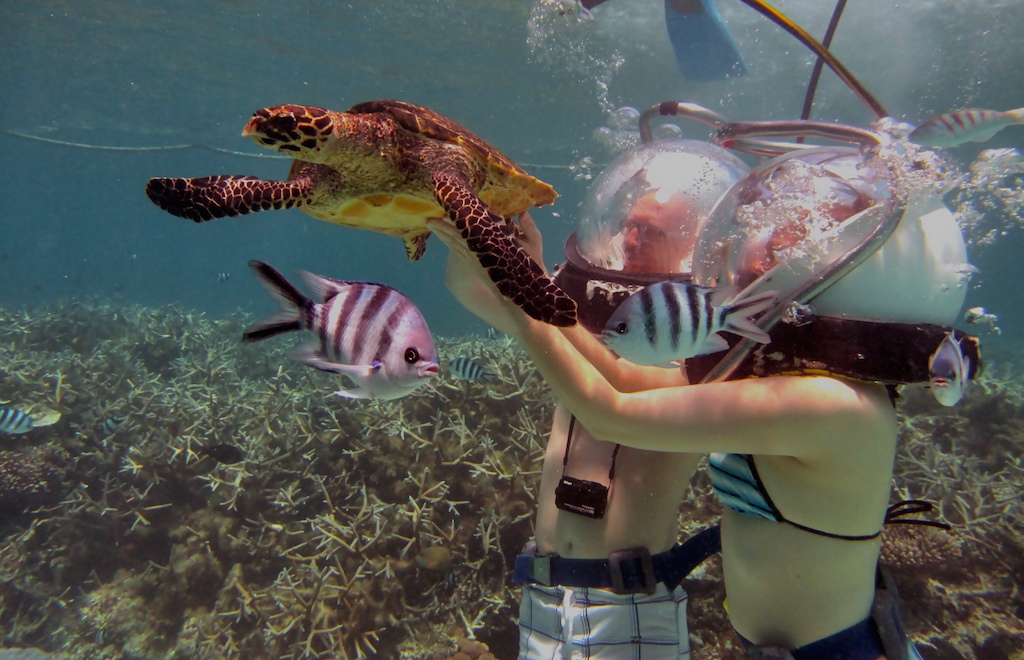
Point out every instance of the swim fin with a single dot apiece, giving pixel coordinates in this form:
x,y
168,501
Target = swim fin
x,y
705,51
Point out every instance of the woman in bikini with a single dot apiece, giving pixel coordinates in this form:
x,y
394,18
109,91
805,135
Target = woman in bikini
x,y
803,462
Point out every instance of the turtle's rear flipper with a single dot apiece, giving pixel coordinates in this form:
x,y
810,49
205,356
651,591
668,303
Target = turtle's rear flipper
x,y
517,276
212,197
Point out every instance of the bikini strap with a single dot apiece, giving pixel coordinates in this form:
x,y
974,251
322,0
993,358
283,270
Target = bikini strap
x,y
894,514
783,519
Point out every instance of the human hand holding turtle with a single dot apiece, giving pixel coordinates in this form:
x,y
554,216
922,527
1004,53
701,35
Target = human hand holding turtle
x,y
472,286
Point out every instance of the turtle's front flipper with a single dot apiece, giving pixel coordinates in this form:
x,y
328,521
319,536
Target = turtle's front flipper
x,y
212,197
516,275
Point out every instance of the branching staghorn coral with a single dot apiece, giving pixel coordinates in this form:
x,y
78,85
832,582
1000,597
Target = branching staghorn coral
x,y
960,586
347,528
380,529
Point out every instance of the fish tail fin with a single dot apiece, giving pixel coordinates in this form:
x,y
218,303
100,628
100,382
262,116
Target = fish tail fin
x,y
294,305
1016,115
738,313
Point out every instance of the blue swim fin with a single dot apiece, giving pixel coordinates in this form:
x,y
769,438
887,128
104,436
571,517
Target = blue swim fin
x,y
705,51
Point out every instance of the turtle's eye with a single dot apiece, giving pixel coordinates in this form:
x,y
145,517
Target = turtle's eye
x,y
622,328
282,123
412,356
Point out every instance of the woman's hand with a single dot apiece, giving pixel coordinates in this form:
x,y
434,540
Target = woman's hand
x,y
472,286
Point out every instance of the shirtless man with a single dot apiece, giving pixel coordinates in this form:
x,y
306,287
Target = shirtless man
x,y
606,584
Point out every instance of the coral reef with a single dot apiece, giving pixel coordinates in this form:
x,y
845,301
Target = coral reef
x,y
29,476
350,529
961,588
908,549
347,529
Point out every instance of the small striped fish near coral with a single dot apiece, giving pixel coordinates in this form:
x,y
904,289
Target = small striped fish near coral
x,y
15,422
370,333
469,369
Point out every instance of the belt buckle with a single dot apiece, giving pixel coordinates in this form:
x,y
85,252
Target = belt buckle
x,y
540,570
640,560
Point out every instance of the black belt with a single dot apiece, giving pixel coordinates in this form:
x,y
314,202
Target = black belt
x,y
630,571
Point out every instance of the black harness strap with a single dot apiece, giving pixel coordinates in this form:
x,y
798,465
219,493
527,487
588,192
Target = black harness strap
x,y
887,353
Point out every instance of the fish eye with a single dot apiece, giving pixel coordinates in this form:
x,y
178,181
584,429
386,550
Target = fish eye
x,y
622,328
412,355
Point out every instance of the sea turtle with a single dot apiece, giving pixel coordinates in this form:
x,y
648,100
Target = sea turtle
x,y
388,166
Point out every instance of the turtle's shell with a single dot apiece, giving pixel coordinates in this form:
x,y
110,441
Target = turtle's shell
x,y
383,185
509,190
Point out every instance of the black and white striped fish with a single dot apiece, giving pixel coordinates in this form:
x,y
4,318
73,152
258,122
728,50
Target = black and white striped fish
x,y
665,323
948,371
971,125
370,333
15,421
111,424
469,369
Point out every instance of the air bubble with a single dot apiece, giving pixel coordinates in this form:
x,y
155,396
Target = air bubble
x,y
626,118
667,132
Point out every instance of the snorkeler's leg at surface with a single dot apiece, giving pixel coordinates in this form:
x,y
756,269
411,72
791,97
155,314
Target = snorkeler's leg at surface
x,y
705,51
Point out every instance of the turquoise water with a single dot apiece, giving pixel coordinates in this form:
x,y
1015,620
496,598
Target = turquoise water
x,y
98,97
173,83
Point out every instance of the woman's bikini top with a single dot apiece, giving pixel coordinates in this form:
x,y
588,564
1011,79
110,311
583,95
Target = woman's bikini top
x,y
735,480
739,487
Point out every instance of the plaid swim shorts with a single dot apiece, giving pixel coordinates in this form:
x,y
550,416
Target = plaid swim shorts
x,y
579,623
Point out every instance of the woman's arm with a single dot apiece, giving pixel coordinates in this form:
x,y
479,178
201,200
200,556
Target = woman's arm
x,y
781,415
623,375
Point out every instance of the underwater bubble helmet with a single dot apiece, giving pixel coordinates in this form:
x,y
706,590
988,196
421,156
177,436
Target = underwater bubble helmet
x,y
797,215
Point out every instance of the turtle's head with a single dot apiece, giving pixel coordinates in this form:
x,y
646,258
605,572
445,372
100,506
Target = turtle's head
x,y
290,128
